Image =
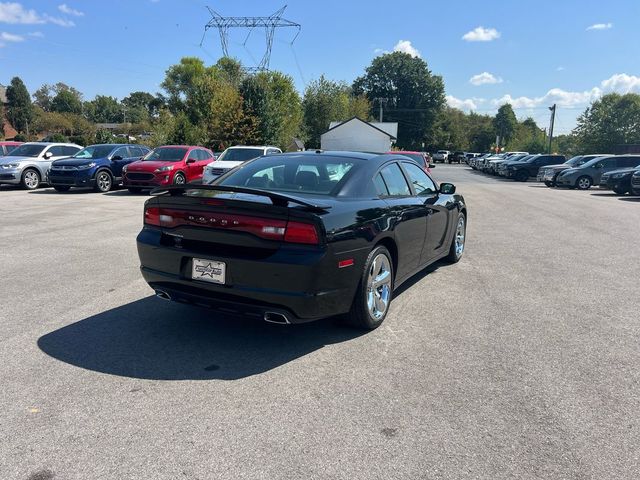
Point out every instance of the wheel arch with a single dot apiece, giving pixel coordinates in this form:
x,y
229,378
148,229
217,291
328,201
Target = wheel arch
x,y
390,244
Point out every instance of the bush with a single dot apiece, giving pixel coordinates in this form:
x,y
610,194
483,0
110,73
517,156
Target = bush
x,y
20,138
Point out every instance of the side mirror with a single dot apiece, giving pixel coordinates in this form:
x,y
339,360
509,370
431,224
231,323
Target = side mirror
x,y
48,155
116,157
191,160
447,188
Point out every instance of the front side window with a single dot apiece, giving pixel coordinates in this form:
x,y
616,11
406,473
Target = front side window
x,y
28,150
395,181
422,184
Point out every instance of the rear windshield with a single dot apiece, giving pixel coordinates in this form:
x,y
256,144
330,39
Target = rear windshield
x,y
294,173
95,151
240,154
166,154
28,150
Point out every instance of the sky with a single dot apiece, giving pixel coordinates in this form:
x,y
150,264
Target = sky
x,y
532,53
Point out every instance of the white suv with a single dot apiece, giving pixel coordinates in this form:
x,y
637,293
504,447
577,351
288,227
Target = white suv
x,y
232,157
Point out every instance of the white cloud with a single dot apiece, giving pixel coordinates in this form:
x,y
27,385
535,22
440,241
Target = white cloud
x,y
622,83
36,34
600,26
484,78
481,34
62,22
466,104
619,83
15,13
10,37
405,46
64,8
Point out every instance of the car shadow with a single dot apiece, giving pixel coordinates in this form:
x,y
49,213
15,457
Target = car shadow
x,y
610,194
629,199
158,340
126,193
52,191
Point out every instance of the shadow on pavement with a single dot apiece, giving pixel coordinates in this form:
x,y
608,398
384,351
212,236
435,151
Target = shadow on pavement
x,y
158,340
630,199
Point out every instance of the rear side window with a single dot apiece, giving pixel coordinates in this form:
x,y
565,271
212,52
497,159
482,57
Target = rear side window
x,y
421,182
122,152
395,181
381,188
628,162
137,151
57,151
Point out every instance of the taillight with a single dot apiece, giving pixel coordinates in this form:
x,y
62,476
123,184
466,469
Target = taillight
x,y
152,216
269,229
298,232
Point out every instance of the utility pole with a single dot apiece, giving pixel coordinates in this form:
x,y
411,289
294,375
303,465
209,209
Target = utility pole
x,y
381,101
553,120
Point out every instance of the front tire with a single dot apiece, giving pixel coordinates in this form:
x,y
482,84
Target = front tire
x,y
458,241
104,182
549,184
620,190
375,291
179,179
30,179
584,183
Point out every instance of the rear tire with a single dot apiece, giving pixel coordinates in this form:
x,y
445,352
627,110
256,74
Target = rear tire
x,y
584,183
61,188
456,250
30,179
134,190
104,182
375,291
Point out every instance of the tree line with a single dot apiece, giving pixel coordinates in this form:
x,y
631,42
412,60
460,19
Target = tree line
x,y
221,105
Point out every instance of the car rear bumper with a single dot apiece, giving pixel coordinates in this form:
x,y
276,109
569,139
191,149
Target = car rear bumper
x,y
302,286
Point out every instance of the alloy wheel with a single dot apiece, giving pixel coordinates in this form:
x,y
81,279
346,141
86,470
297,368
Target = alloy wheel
x,y
460,236
379,286
584,183
31,179
104,182
179,179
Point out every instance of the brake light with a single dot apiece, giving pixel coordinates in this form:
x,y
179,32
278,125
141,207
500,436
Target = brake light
x,y
269,229
298,232
152,216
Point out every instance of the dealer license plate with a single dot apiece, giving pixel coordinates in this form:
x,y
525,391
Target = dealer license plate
x,y
208,270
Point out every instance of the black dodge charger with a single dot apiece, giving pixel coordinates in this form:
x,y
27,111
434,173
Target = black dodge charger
x,y
292,238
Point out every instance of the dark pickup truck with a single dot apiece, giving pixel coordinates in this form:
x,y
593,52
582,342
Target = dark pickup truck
x,y
521,171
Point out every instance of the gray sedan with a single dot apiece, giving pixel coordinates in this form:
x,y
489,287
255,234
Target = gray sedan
x,y
28,164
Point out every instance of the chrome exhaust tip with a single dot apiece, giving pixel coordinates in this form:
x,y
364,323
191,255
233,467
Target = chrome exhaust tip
x,y
275,317
163,295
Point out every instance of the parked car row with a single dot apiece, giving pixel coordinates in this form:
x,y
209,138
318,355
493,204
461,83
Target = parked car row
x,y
620,173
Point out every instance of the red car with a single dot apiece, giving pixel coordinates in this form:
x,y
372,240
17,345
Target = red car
x,y
420,158
6,147
168,165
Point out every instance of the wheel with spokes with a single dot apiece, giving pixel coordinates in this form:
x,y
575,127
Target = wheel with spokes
x,y
584,183
375,291
30,179
459,237
104,181
179,179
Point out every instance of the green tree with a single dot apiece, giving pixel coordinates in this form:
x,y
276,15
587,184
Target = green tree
x,y
138,101
326,101
505,123
1,121
19,107
612,120
104,109
480,132
181,84
67,101
272,99
415,97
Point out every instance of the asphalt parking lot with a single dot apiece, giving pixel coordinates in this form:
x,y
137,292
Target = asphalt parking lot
x,y
521,361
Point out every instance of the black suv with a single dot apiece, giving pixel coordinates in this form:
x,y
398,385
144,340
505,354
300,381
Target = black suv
x,y
635,183
457,157
521,171
620,180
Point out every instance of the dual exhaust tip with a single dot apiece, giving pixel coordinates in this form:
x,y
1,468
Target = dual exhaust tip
x,y
270,317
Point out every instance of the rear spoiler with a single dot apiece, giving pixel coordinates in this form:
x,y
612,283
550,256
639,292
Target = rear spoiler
x,y
278,199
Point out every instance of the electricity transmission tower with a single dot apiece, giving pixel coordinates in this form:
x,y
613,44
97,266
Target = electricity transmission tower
x,y
270,23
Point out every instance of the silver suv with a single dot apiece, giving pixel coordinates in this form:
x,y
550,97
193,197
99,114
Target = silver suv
x,y
232,157
28,164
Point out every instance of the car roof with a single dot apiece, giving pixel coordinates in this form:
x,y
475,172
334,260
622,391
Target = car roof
x,y
257,147
53,143
181,146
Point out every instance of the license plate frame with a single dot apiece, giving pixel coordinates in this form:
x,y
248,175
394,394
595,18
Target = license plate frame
x,y
206,270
